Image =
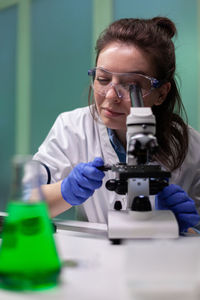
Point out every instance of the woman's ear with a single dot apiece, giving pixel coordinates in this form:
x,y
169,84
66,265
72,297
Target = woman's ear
x,y
162,93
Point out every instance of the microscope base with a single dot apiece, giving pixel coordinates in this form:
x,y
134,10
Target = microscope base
x,y
125,224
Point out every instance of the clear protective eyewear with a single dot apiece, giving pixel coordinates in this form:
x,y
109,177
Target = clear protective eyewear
x,y
102,82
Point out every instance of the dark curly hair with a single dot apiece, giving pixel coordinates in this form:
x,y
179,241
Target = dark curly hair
x,y
154,37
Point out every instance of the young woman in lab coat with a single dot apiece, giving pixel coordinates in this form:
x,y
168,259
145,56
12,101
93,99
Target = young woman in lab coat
x,y
128,51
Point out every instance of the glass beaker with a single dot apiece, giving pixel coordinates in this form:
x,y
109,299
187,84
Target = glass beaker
x,y
28,254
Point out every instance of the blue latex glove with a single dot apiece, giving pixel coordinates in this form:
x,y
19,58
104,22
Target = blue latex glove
x,y
174,198
81,183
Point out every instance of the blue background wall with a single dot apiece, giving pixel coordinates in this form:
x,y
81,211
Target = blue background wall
x,y
8,20
60,57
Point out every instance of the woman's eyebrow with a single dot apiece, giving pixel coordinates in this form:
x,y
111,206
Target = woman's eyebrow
x,y
103,70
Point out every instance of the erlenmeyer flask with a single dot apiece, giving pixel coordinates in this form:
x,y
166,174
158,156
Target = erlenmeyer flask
x,y
28,254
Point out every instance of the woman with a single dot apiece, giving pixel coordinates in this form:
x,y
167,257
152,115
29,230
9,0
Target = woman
x,y
128,51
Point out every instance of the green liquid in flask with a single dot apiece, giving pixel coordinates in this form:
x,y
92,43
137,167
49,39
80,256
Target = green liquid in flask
x,y
28,255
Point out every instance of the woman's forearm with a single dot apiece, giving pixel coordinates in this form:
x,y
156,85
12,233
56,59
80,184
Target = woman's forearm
x,y
55,201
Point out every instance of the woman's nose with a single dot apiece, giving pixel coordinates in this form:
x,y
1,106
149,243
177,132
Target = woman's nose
x,y
113,94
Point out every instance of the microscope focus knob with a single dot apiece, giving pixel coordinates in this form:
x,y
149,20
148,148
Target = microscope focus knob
x,y
111,185
141,203
119,186
118,205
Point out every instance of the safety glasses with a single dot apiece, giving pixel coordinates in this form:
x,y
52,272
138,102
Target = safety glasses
x,y
102,82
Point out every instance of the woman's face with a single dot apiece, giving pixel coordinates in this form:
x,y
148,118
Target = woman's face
x,y
121,58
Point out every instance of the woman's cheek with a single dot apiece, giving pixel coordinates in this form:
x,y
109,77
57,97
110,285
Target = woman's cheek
x,y
98,100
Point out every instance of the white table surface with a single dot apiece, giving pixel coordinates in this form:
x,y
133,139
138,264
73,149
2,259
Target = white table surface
x,y
138,269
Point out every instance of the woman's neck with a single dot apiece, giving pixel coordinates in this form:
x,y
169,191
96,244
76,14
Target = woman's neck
x,y
121,134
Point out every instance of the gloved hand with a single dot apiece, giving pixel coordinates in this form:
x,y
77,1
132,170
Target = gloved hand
x,y
81,183
174,198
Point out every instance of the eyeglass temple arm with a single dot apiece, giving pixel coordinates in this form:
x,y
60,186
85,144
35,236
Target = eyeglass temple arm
x,y
91,72
136,96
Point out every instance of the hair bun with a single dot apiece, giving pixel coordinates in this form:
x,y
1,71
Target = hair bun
x,y
166,25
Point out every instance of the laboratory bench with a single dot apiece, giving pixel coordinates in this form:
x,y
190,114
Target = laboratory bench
x,y
96,269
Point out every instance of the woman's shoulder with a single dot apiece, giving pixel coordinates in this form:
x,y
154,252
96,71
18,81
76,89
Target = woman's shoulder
x,y
77,122
77,118
78,114
193,145
194,136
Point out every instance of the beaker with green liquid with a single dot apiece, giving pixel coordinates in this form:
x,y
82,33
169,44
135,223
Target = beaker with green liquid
x,y
28,256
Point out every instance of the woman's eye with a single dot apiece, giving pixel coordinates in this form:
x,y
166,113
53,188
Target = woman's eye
x,y
126,85
103,80
133,83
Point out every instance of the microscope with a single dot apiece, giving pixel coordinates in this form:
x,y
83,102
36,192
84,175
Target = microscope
x,y
139,179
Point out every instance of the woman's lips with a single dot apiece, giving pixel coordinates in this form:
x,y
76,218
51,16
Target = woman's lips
x,y
111,113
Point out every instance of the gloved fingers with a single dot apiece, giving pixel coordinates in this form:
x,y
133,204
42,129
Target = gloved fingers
x,y
187,220
90,184
98,162
87,181
68,190
79,183
82,182
173,200
87,170
159,204
169,190
92,172
184,207
80,191
73,193
176,199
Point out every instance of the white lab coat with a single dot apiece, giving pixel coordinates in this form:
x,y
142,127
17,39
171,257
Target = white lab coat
x,y
76,137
